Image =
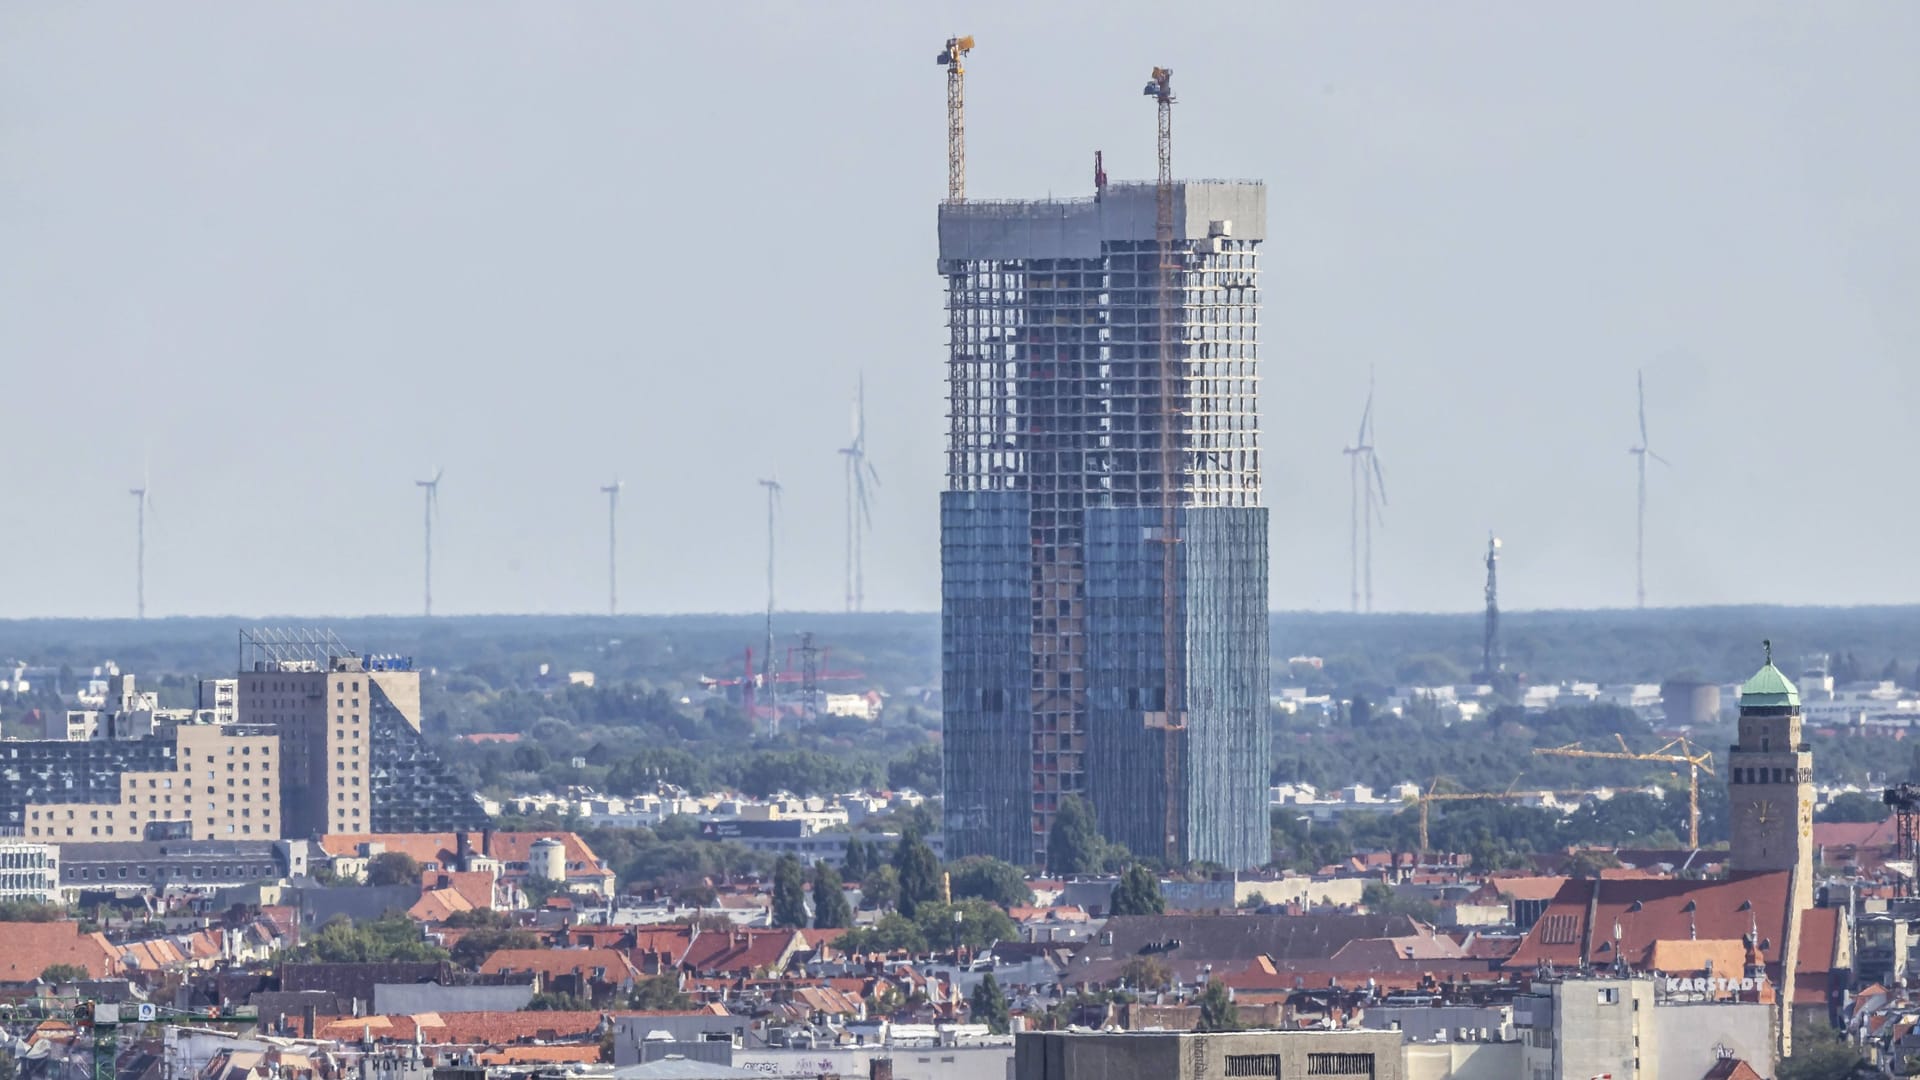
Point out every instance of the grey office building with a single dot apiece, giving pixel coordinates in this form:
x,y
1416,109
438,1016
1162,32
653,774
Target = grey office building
x,y
1103,550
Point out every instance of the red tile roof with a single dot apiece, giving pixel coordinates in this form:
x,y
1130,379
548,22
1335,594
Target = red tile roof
x,y
27,949
1565,937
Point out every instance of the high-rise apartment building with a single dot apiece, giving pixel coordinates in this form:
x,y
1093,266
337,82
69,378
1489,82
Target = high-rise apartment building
x,y
352,756
1103,550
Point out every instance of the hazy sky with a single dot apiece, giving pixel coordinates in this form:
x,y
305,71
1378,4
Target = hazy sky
x,y
291,257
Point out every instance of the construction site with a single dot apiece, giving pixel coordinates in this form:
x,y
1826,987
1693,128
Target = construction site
x,y
1103,550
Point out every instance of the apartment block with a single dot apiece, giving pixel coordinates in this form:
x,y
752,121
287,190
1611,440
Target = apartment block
x,y
353,759
204,781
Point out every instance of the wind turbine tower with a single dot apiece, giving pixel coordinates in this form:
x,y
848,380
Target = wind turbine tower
x,y
612,492
773,505
860,473
1640,455
431,490
1368,496
140,550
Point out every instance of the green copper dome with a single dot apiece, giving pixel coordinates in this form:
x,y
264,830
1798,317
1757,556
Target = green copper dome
x,y
1769,687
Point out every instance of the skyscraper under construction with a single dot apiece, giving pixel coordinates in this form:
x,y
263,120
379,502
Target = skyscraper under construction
x,y
1103,550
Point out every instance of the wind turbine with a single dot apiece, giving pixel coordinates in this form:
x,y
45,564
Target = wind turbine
x,y
431,490
860,473
773,504
1368,495
612,492
140,548
1641,454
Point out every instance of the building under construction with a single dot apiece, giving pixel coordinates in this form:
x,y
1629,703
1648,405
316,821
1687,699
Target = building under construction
x,y
1103,553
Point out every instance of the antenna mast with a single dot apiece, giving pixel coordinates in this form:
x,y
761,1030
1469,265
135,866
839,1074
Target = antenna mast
x,y
953,58
1490,644
1160,88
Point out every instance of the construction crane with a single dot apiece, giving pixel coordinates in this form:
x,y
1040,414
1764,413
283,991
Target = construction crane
x,y
101,1023
1677,751
953,58
1160,88
1431,796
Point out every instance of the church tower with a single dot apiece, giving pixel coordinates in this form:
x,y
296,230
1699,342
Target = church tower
x,y
1770,781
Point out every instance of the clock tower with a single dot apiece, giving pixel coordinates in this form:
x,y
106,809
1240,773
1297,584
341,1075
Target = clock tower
x,y
1770,782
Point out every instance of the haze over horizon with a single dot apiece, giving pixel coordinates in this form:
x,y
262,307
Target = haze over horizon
x,y
287,261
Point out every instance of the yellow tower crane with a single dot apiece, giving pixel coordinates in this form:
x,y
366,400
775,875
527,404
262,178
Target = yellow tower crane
x,y
953,58
1677,752
1431,796
1168,265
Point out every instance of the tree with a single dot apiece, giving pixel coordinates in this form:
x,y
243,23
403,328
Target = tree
x,y
1137,893
1360,712
60,974
891,932
660,993
392,937
859,860
989,878
475,946
1217,1010
979,925
919,872
1588,862
1819,1053
990,1005
789,893
393,868
8,1069
558,1001
1853,806
880,888
830,908
1382,899
29,911
1074,845
1146,973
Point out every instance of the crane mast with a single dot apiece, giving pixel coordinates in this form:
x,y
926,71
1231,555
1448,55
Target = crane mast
x,y
1160,88
953,58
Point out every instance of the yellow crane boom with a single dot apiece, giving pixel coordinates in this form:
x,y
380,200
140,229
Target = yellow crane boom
x,y
953,58
1675,752
1431,796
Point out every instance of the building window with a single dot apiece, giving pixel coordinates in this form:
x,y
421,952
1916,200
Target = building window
x,y
1609,995
1339,1064
1253,1064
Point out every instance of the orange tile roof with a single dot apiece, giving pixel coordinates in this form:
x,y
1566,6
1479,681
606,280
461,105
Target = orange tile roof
x,y
435,905
442,849
553,963
27,949
476,886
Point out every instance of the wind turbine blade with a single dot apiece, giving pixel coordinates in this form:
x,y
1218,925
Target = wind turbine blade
x,y
1380,478
1366,419
1640,387
1660,459
872,474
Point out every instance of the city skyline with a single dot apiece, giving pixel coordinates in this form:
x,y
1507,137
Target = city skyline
x,y
283,328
